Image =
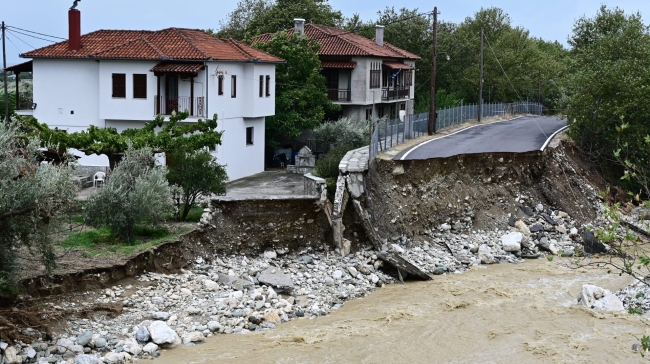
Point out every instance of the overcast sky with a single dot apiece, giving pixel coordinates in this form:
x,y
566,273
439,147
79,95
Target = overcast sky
x,y
548,19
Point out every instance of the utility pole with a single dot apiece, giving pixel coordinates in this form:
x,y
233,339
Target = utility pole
x,y
434,53
4,73
480,89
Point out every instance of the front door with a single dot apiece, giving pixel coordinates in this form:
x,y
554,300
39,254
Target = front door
x,y
171,94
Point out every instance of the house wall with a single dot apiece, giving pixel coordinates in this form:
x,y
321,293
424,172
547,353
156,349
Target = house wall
x,y
127,108
242,160
65,86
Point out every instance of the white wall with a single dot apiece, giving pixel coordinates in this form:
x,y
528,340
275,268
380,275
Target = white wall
x,y
242,160
63,86
127,108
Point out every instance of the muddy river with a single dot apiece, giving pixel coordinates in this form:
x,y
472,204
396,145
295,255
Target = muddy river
x,y
523,313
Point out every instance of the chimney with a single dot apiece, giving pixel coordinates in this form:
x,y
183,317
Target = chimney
x,y
74,28
299,27
379,35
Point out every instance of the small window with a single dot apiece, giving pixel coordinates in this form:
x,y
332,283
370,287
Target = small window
x,y
139,86
402,107
119,85
233,86
220,84
368,114
261,86
268,86
249,136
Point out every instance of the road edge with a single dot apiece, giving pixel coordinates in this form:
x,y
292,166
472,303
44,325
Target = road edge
x,y
553,136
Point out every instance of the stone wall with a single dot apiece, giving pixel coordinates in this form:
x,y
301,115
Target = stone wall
x,y
254,225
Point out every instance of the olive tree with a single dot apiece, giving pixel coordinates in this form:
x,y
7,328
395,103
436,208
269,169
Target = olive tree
x,y
32,196
136,192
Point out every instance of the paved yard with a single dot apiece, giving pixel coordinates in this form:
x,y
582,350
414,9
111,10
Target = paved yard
x,y
269,183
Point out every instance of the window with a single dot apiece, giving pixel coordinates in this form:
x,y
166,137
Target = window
x,y
261,86
331,78
268,85
119,85
408,78
368,114
402,106
380,112
220,84
249,136
139,86
375,75
233,86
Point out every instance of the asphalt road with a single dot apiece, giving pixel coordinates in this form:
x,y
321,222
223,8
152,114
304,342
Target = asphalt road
x,y
520,135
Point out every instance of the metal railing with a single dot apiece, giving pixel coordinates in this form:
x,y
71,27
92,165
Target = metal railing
x,y
167,106
388,133
339,94
394,93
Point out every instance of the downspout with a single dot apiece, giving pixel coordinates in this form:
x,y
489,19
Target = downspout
x,y
206,90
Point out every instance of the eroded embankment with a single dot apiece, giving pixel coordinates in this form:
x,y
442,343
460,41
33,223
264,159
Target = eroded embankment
x,y
479,191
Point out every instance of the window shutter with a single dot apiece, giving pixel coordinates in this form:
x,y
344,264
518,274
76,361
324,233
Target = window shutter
x,y
268,86
119,85
261,86
233,87
139,86
220,84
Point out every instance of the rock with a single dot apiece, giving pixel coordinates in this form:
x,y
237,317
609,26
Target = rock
x,y
215,325
132,346
242,284
193,337
439,271
561,229
512,242
549,220
86,359
185,292
353,271
3,345
526,210
591,244
338,274
11,356
273,276
511,221
599,299
63,346
31,353
473,249
272,317
536,228
270,254
210,285
397,249
545,245
142,334
84,338
485,254
150,348
398,170
114,358
573,232
307,259
163,334
530,255
568,253
521,226
100,342
160,315
191,310
445,227
157,300
329,281
539,207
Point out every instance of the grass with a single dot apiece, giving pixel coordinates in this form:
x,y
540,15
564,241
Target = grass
x,y
195,214
102,241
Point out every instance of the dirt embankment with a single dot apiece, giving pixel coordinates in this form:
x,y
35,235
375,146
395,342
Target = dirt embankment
x,y
479,191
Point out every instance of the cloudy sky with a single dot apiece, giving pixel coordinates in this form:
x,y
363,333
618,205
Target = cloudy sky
x,y
549,19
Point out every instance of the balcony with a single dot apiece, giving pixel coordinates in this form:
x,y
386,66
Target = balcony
x,y
339,95
167,106
395,93
24,100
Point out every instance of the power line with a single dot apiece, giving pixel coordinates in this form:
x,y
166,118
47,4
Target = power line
x,y
20,39
29,31
33,36
14,44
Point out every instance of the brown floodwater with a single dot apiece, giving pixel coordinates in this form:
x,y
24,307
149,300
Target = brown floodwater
x,y
523,313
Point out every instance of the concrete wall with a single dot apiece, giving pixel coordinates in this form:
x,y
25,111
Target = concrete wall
x,y
127,108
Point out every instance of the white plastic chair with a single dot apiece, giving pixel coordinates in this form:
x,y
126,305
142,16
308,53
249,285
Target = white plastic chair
x,y
99,177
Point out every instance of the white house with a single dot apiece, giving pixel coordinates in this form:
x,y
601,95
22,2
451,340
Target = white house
x,y
361,73
123,78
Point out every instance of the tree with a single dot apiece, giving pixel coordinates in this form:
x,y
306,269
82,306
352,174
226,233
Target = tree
x,y
137,192
608,88
195,174
32,196
300,94
171,135
254,17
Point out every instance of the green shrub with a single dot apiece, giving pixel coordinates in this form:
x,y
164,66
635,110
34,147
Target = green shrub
x,y
327,166
344,131
136,193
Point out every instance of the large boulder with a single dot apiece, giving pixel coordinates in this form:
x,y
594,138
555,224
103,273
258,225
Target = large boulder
x,y
521,226
599,299
84,338
512,242
193,337
11,356
86,359
485,254
162,334
274,276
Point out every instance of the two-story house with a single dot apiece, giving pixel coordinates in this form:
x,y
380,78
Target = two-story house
x,y
360,72
123,78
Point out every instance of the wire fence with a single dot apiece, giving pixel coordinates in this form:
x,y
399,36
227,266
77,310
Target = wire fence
x,y
388,133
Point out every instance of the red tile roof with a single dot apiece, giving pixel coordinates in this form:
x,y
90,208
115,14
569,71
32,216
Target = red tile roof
x,y
166,44
338,64
398,66
339,42
177,67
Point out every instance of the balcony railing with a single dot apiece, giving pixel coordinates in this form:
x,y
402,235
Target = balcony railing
x,y
339,95
167,106
395,93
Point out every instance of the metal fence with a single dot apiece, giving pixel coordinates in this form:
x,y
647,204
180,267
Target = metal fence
x,y
388,133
